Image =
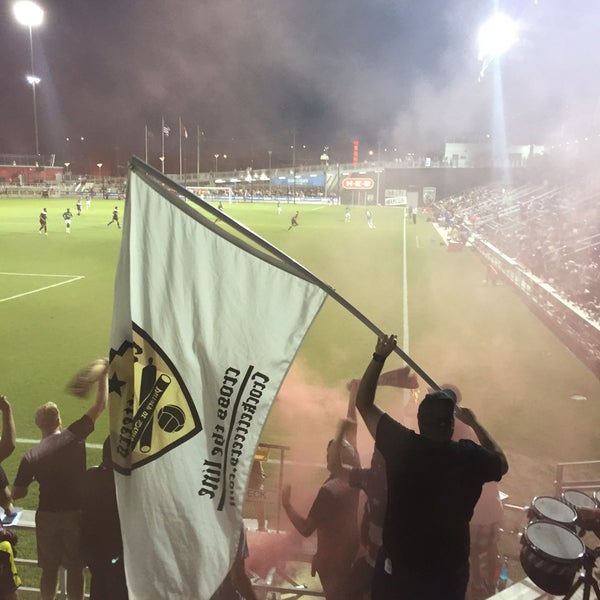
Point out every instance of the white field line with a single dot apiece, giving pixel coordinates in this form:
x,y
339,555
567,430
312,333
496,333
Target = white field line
x,y
71,279
31,442
405,327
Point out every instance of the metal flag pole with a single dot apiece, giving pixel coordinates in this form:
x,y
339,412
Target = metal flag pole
x,y
151,173
198,154
180,167
162,146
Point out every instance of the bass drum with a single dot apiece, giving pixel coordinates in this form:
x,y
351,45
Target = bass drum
x,y
551,556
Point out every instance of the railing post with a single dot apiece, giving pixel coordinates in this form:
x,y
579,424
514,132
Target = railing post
x,y
559,480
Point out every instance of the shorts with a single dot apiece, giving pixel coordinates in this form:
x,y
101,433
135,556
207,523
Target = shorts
x,y
59,539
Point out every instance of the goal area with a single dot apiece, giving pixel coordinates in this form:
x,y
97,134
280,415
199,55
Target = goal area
x,y
212,193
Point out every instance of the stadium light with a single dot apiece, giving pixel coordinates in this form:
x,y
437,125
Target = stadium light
x,y
325,161
216,163
99,165
494,38
30,15
67,165
269,152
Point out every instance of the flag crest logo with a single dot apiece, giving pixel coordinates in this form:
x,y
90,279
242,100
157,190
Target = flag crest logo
x,y
152,411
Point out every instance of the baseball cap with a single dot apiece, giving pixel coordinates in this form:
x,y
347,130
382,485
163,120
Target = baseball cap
x,y
438,407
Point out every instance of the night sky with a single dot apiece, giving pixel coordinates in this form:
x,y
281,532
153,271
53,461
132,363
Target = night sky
x,y
248,73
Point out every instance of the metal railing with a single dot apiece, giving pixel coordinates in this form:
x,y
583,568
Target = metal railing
x,y
583,483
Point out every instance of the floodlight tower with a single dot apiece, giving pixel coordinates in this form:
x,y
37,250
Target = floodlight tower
x,y
325,161
495,37
31,15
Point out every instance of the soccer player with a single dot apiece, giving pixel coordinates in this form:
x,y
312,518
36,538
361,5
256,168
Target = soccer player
x,y
220,207
78,207
294,220
88,202
43,221
115,217
67,216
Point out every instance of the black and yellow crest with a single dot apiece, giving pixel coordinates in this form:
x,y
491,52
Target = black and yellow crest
x,y
151,409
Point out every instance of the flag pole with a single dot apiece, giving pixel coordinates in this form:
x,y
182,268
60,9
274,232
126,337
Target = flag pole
x,y
180,167
146,140
198,154
138,165
162,145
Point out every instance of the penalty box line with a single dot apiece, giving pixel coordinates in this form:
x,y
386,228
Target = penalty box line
x,y
70,279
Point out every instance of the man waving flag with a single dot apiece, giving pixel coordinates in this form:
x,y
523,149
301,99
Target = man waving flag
x,y
204,329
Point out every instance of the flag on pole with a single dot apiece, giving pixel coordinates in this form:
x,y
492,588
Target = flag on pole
x,y
166,130
205,327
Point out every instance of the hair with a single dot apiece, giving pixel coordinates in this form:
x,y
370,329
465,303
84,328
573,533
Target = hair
x,y
47,416
436,415
348,454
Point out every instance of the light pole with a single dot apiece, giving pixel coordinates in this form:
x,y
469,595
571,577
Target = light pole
x,y
31,15
99,165
269,152
325,161
216,162
67,165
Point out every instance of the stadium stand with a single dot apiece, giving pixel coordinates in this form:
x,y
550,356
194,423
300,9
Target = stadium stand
x,y
546,241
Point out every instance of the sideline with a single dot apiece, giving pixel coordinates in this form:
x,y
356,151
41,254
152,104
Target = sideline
x,y
32,442
405,325
47,287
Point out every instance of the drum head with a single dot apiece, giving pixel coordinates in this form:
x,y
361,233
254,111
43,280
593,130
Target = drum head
x,y
578,499
554,541
554,509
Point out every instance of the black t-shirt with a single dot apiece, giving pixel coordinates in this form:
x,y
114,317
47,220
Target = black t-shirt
x,y
432,490
334,510
58,464
101,528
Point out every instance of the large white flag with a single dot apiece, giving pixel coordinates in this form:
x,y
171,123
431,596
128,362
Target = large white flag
x,y
204,330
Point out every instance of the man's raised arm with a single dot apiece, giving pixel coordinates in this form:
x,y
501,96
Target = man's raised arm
x,y
467,416
101,396
365,398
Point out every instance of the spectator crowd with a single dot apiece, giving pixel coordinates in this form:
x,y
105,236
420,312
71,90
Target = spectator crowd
x,y
414,538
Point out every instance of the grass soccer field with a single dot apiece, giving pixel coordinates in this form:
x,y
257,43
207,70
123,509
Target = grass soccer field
x,y
56,295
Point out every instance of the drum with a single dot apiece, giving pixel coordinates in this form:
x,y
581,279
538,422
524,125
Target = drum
x,y
576,500
548,508
551,556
